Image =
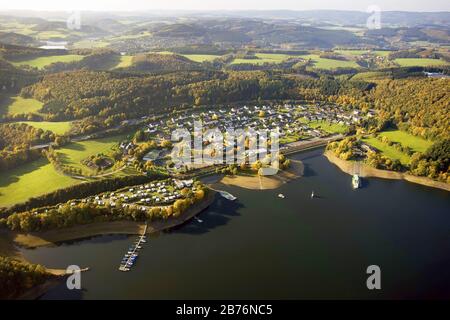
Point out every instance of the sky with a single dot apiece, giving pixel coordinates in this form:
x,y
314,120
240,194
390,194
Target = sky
x,y
138,5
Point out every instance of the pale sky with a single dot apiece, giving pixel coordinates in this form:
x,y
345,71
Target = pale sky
x,y
139,5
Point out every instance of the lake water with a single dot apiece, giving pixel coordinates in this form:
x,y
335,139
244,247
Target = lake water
x,y
264,247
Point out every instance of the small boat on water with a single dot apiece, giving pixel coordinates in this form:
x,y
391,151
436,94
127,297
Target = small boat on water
x,y
198,220
227,195
312,194
356,181
282,196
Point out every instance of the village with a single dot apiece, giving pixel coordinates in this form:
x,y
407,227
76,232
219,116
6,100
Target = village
x,y
296,124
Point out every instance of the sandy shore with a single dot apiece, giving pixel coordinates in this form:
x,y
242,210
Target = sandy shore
x,y
256,182
367,171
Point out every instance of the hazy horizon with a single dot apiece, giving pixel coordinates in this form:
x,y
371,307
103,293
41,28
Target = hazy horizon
x,y
226,5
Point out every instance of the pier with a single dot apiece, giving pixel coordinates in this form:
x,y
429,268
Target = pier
x,y
130,257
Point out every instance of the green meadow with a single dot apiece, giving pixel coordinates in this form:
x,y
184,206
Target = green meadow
x,y
354,53
60,128
388,151
201,57
262,58
328,127
370,75
90,44
31,180
324,63
19,105
41,62
417,144
124,62
74,153
419,62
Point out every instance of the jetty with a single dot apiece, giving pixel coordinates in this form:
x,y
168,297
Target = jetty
x,y
130,257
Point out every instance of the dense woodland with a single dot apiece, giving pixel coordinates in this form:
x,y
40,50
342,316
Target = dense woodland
x,y
15,142
18,277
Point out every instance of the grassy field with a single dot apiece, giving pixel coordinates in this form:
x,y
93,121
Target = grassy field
x,y
41,62
31,180
124,62
264,58
388,151
326,126
418,62
201,57
19,105
417,144
323,63
371,75
56,127
74,153
381,53
90,44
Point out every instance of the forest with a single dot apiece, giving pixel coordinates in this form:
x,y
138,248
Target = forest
x,y
17,277
15,142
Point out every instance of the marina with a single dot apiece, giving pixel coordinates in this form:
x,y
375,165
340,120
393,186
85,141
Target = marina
x,y
131,256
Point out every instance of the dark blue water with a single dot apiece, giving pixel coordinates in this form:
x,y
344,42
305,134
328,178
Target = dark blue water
x,y
264,247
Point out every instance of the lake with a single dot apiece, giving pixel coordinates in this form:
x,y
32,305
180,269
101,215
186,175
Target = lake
x,y
264,247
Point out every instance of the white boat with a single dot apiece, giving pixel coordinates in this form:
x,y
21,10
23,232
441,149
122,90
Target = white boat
x,y
312,194
280,195
227,195
198,220
356,181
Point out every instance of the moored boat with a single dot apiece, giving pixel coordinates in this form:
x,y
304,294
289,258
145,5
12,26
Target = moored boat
x,y
356,181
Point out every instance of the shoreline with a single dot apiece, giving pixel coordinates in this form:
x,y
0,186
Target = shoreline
x,y
367,171
10,241
52,237
256,182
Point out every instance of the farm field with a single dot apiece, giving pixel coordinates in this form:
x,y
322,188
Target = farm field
x,y
381,53
74,153
19,105
324,63
417,144
370,75
124,62
31,180
90,44
264,58
419,62
41,62
201,57
60,128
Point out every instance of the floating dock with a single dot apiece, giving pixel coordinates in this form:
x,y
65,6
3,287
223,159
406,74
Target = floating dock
x,y
130,257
